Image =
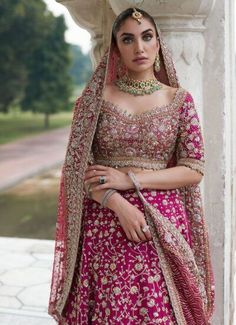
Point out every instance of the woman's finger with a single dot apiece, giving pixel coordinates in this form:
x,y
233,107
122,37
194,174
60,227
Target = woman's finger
x,y
146,233
97,167
96,175
128,235
141,234
134,236
102,187
92,180
92,173
99,186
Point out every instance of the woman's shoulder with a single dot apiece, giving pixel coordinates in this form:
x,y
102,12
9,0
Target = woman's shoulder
x,y
183,99
188,105
174,94
187,94
184,94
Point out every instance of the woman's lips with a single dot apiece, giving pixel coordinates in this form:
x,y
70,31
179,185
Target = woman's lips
x,y
140,61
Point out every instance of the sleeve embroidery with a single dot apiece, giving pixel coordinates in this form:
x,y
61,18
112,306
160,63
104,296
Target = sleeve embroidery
x,y
190,144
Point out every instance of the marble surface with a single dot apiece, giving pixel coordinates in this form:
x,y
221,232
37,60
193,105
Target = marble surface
x,y
25,274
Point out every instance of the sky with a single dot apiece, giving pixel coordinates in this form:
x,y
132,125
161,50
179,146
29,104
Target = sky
x,y
74,33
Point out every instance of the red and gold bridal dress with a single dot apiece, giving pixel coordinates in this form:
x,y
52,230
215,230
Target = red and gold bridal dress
x,y
117,281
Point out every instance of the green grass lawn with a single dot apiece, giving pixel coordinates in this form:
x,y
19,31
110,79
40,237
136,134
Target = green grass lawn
x,y
16,125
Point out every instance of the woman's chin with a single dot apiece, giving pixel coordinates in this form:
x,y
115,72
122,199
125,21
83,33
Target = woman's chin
x,y
140,68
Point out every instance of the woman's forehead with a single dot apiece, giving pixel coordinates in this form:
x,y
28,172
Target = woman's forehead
x,y
131,26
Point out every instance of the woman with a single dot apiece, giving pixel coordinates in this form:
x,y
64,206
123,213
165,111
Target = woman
x,y
131,241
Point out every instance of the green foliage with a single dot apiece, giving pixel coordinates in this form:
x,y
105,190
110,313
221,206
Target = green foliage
x,y
17,124
81,68
21,31
34,58
49,87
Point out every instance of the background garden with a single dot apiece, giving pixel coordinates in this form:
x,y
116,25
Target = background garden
x,y
40,74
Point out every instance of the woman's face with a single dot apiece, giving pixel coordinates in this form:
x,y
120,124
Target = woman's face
x,y
137,44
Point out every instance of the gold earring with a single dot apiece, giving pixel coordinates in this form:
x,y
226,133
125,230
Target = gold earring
x,y
157,63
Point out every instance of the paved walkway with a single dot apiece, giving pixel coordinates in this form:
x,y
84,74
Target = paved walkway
x,y
25,275
26,264
31,156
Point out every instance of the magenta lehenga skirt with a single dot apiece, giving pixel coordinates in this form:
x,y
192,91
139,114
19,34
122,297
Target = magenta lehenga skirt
x,y
118,281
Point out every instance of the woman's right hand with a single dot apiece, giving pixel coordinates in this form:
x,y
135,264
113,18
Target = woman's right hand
x,y
132,220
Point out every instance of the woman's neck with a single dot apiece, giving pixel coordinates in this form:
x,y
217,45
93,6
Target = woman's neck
x,y
144,75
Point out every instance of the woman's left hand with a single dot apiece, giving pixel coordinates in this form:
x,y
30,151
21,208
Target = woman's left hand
x,y
113,178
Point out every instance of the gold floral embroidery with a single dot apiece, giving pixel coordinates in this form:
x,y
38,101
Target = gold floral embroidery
x,y
146,140
68,232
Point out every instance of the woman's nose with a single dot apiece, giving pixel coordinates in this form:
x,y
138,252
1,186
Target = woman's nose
x,y
138,47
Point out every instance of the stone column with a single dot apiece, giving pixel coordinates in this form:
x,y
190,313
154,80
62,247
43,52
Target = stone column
x,y
200,35
96,16
220,123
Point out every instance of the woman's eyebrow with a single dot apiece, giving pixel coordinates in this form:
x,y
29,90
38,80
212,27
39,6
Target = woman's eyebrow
x,y
130,34
147,30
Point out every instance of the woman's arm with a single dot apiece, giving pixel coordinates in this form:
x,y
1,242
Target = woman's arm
x,y
169,178
113,202
132,220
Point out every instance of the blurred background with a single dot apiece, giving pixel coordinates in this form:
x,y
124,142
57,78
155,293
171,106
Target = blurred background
x,y
44,65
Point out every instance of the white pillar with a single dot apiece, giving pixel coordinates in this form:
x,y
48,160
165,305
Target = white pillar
x,y
220,123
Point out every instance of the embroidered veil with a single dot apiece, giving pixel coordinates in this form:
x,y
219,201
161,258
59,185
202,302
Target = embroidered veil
x,y
187,270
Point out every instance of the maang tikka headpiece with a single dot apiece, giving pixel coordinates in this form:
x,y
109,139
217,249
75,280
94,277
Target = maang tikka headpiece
x,y
137,15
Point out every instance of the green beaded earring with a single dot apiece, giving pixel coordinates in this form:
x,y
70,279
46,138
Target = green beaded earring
x,y
157,63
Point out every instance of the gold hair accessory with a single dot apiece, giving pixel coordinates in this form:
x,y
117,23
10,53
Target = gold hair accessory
x,y
137,15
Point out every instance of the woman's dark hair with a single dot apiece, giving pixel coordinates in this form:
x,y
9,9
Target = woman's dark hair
x,y
121,18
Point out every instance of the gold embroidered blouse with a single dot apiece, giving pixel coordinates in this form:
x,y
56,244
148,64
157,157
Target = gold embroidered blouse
x,y
148,140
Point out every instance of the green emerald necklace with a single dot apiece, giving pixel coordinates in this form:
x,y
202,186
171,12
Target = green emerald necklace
x,y
138,87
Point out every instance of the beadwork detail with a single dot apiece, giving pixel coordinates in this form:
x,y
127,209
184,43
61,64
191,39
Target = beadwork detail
x,y
138,87
148,140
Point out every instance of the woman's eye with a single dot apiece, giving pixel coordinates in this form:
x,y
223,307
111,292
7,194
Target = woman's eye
x,y
147,37
127,40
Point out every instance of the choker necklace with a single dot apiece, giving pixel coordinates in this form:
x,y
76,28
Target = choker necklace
x,y
138,87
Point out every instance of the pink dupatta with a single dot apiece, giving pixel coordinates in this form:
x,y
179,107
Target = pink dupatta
x,y
187,271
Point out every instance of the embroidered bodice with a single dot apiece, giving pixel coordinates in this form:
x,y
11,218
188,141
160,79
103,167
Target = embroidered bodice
x,y
149,139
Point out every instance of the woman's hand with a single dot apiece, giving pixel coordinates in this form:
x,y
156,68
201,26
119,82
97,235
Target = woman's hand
x,y
132,221
113,178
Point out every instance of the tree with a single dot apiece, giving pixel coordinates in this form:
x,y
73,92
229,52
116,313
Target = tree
x,y
34,58
81,68
49,84
21,31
